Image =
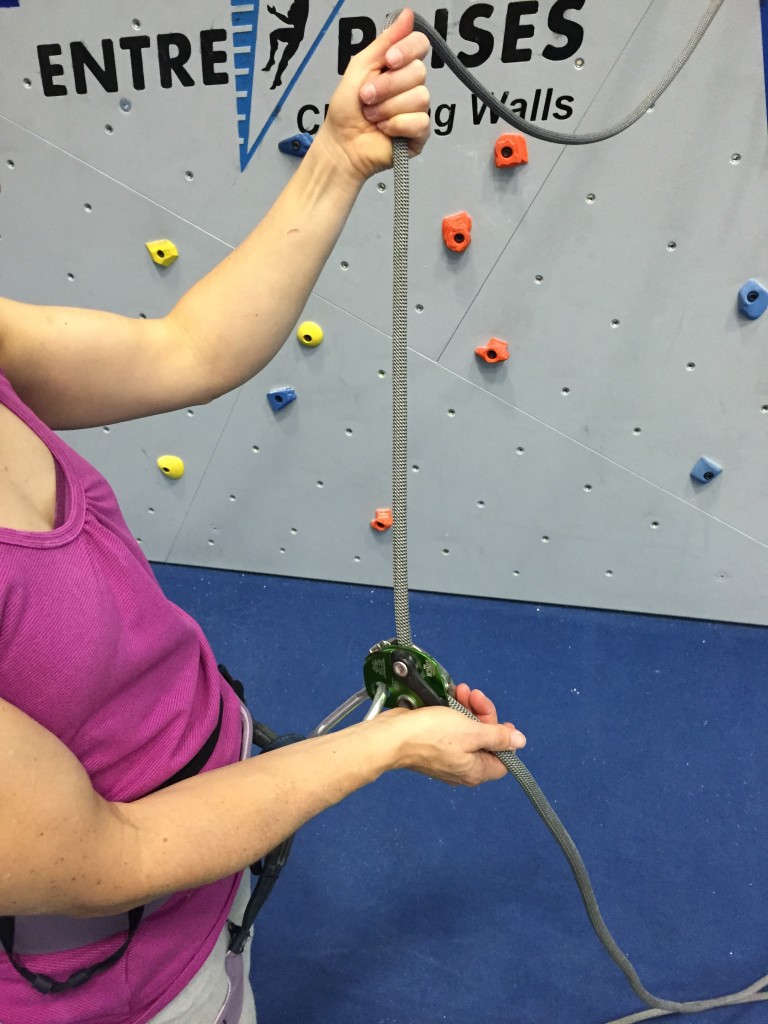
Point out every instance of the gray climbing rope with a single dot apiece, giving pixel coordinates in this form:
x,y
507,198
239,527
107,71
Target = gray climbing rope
x,y
400,395
545,134
659,1007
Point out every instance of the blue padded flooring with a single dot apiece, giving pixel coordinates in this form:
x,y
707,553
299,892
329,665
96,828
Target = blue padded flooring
x,y
416,903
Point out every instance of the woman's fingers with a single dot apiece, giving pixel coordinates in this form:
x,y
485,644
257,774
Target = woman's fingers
x,y
482,707
484,710
379,89
415,100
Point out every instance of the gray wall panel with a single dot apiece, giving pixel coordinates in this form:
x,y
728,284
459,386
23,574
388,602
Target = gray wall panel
x,y
609,260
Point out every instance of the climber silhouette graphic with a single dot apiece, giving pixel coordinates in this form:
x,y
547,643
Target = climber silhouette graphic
x,y
296,20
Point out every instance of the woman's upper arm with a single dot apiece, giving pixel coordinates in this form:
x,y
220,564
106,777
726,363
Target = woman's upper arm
x,y
53,824
85,367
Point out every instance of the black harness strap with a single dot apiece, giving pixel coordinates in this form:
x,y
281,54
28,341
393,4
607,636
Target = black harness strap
x,y
196,764
269,867
47,985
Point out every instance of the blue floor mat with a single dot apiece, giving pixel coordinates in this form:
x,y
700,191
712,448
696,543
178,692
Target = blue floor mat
x,y
415,903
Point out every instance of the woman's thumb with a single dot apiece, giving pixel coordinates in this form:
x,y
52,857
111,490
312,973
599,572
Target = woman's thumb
x,y
375,54
502,737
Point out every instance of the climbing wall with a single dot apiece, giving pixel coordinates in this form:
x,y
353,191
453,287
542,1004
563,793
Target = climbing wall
x,y
611,272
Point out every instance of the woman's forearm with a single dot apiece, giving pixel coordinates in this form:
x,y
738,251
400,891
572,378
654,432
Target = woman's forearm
x,y
215,824
64,849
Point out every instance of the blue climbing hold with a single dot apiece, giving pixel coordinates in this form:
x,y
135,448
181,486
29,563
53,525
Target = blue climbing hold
x,y
753,299
280,397
297,145
706,470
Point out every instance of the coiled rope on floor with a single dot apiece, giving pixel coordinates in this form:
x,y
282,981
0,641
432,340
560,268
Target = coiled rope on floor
x,y
658,1007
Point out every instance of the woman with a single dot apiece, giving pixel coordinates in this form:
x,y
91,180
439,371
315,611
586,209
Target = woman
x,y
128,810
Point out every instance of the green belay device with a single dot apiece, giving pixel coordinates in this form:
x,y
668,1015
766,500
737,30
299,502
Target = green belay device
x,y
410,677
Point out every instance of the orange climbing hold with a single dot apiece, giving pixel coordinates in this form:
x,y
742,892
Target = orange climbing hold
x,y
383,519
495,351
510,150
456,231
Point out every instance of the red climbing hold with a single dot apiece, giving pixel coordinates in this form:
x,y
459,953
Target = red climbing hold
x,y
495,351
456,231
511,150
383,519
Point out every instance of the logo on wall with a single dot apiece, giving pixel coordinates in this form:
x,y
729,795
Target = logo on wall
x,y
271,42
286,29
263,80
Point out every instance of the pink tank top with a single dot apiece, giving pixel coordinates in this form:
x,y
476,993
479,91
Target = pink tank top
x,y
92,649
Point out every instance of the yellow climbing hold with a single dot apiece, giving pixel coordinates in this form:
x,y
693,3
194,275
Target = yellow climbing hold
x,y
310,333
171,465
163,252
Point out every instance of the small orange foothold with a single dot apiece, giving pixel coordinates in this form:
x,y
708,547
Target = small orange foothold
x,y
510,150
383,519
495,351
456,231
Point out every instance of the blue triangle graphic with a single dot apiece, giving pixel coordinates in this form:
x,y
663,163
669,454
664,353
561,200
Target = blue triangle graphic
x,y
245,22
